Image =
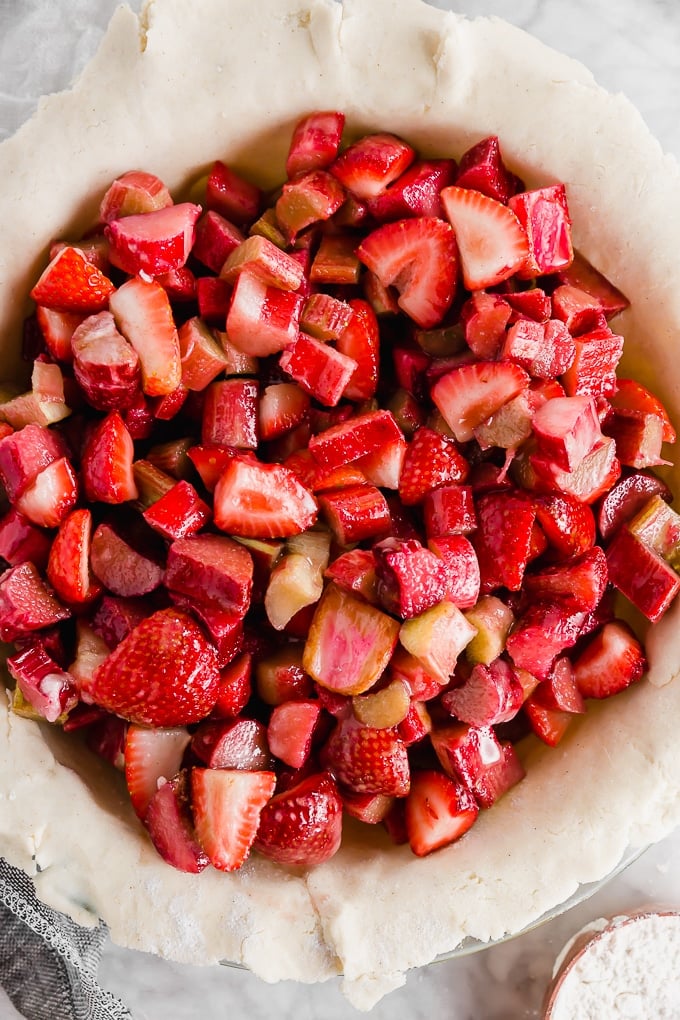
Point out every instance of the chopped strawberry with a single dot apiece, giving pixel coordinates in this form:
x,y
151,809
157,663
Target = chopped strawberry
x,y
431,461
419,258
303,824
462,568
475,756
167,645
578,584
415,192
227,804
57,329
258,500
368,760
349,643
491,241
544,215
384,467
355,571
105,364
482,169
468,395
360,340
439,811
373,162
550,724
411,579
132,193
72,284
21,540
170,826
503,539
540,634
235,688
51,495
567,523
559,691
144,316
151,756
153,242
612,660
68,568
232,744
314,142
26,603
106,466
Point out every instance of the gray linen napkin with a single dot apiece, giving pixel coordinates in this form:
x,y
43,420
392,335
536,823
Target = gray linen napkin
x,y
48,963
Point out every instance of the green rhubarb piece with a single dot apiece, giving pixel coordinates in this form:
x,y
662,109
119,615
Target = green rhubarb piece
x,y
657,526
493,620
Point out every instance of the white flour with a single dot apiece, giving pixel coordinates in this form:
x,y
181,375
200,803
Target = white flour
x,y
631,970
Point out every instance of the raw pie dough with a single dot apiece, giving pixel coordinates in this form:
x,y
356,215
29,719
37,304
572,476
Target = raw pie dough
x,y
169,92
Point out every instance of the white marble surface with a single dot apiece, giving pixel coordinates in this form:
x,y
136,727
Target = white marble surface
x,y
632,46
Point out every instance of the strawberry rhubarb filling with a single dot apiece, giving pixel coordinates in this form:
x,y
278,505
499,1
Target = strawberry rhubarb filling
x,y
322,501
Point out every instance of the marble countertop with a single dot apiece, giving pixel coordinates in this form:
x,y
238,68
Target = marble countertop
x,y
631,46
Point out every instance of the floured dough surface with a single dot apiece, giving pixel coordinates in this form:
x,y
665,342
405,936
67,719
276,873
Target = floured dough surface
x,y
228,79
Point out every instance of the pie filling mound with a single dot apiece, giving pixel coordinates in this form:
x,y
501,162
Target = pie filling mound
x,y
324,498
330,505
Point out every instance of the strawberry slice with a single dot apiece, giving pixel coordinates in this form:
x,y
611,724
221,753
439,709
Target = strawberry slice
x,y
482,169
415,193
106,466
26,603
143,315
154,242
360,341
438,811
373,162
258,500
71,283
303,824
431,461
150,757
368,760
567,523
68,568
503,539
491,240
51,495
283,406
611,661
164,673
227,805
419,258
170,826
471,393
57,329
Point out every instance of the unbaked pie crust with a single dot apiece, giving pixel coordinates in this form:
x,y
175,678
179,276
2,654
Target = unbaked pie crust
x,y
169,92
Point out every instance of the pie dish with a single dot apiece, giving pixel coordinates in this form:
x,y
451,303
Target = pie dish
x,y
373,911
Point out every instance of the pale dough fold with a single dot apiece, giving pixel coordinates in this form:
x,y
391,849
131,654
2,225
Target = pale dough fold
x,y
190,82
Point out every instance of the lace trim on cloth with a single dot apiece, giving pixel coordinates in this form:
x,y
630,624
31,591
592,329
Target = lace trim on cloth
x,y
48,963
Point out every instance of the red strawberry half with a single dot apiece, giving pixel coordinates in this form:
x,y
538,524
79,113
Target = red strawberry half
x,y
227,804
303,825
491,241
164,673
